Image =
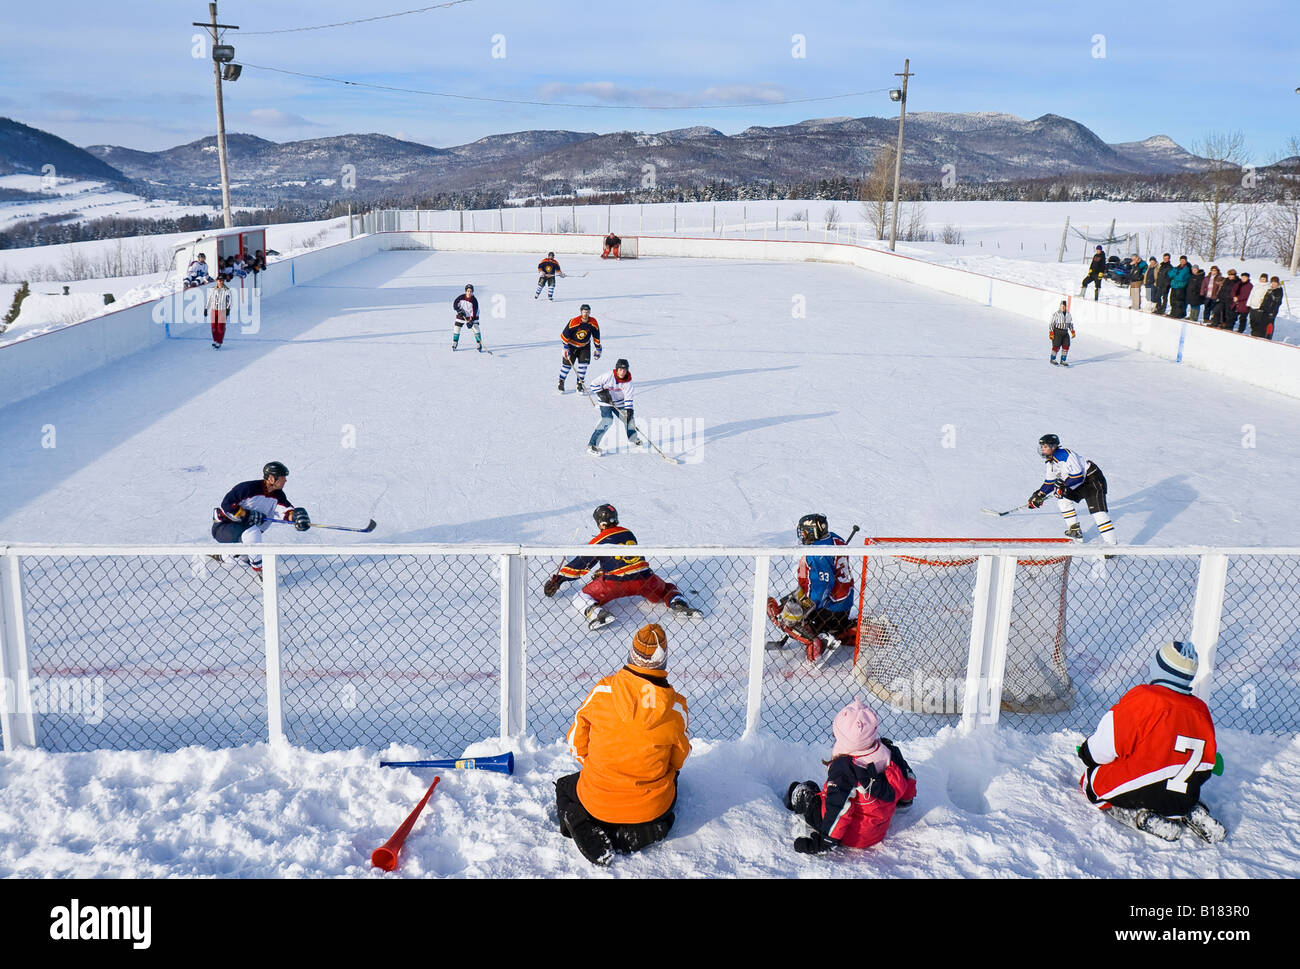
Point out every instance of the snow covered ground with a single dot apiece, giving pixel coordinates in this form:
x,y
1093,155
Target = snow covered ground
x,y
898,409
82,200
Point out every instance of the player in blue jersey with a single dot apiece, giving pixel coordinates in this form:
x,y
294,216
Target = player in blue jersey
x,y
1072,478
618,576
244,513
817,612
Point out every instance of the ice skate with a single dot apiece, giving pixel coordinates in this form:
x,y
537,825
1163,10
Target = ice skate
x,y
597,616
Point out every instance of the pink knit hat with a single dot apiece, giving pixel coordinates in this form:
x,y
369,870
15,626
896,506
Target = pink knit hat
x,y
855,735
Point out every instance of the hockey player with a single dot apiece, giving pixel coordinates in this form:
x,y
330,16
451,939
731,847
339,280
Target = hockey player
x,y
1073,479
816,613
218,302
1061,330
466,307
867,780
243,514
549,269
618,576
196,274
578,337
630,736
612,245
1152,751
614,391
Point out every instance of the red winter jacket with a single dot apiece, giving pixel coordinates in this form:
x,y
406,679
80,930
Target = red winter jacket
x,y
858,803
1243,294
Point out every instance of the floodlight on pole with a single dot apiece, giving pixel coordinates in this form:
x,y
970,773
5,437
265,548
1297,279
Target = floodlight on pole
x,y
222,55
898,153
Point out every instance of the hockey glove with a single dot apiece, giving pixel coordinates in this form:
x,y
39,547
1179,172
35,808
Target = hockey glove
x,y
813,845
301,520
552,586
627,416
1036,499
1060,489
604,397
597,353
254,518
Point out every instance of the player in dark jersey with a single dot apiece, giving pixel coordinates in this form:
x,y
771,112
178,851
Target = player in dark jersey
x,y
549,269
466,307
579,336
243,514
618,575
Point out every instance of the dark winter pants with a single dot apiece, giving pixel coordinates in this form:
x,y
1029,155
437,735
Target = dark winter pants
x,y
626,838
1060,340
1162,297
1095,279
1093,490
228,533
1178,303
1242,324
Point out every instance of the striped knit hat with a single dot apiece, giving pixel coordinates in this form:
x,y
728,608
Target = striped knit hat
x,y
649,648
1174,666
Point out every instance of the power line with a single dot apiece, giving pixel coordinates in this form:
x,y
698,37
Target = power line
x,y
564,104
347,23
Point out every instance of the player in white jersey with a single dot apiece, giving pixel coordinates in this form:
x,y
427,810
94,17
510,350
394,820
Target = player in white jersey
x,y
1073,478
614,391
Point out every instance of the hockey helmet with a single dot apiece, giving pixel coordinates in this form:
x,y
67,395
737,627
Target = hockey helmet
x,y
622,364
605,516
274,469
550,255
469,287
812,528
1051,440
585,306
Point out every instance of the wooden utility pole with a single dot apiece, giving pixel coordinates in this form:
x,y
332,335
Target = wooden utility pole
x,y
213,26
898,154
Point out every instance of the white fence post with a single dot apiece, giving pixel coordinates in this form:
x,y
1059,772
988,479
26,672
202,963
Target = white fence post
x,y
16,720
1207,618
995,582
514,709
271,630
757,644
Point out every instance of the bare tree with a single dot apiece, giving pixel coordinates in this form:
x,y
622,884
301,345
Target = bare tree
x,y
952,235
916,230
832,217
878,190
1284,216
1211,223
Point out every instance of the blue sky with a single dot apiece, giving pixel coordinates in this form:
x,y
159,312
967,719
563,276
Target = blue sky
x,y
135,81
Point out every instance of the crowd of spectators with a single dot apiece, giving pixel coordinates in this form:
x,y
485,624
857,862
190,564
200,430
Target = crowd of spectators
x,y
1187,292
232,267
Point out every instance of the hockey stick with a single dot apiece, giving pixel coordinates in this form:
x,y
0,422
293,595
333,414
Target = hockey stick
x,y
500,764
337,528
1000,514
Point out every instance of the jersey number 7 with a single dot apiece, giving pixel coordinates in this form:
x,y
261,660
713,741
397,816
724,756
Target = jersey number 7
x,y
1178,783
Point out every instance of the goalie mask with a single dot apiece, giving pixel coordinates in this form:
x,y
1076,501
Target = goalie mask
x,y
812,528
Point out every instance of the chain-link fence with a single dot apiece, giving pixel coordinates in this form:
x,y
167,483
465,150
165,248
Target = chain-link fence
x,y
389,649
143,653
163,650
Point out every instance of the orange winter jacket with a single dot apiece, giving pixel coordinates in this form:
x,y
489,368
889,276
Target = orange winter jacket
x,y
629,735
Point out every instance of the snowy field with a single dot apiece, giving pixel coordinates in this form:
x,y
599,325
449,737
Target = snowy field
x,y
883,405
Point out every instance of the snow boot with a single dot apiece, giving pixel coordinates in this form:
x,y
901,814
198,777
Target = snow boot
x,y
597,616
590,839
1208,828
1074,532
1169,829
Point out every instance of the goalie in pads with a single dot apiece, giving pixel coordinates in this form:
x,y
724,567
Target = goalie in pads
x,y
816,613
1152,751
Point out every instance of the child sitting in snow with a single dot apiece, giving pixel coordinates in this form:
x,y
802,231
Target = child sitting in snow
x,y
867,779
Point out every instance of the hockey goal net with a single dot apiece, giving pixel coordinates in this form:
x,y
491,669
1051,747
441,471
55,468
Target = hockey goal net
x,y
914,625
628,249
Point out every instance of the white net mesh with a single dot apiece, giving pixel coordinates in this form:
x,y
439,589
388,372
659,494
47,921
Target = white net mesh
x,y
916,613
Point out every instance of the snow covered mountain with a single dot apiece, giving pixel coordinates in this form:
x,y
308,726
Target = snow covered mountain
x,y
29,151
977,147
